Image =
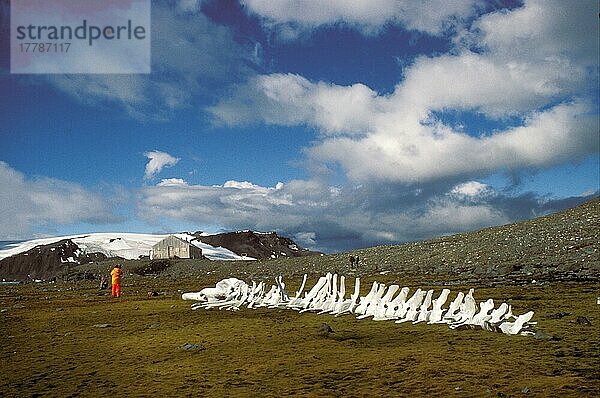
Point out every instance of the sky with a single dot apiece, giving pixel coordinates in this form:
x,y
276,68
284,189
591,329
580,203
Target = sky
x,y
340,124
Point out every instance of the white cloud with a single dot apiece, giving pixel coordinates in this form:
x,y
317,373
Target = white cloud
x,y
448,217
306,239
325,217
419,152
158,161
30,206
289,99
542,29
471,189
172,182
248,185
400,137
526,70
292,17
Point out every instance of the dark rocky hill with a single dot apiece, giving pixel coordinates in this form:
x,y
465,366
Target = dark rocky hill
x,y
45,261
256,244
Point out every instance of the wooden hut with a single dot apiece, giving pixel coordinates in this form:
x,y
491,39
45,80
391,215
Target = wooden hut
x,y
174,247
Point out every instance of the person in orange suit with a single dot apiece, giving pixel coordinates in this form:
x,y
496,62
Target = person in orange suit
x,y
116,274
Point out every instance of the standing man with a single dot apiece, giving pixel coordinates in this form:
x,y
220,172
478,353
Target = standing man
x,y
116,274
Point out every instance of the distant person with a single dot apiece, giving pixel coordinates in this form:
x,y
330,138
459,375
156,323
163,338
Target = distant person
x,y
356,261
116,274
352,261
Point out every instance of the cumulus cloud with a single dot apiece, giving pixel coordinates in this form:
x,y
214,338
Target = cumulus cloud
x,y
336,218
526,65
172,182
157,161
293,17
429,152
412,174
30,206
471,189
541,28
289,99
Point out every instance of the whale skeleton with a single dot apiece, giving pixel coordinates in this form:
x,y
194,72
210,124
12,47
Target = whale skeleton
x,y
328,296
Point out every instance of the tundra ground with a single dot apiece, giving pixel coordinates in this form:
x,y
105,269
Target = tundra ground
x,y
72,339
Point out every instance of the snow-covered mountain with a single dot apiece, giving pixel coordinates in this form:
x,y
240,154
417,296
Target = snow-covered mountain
x,y
45,258
126,245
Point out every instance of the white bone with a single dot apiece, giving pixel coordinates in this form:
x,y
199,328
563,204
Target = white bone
x,y
326,296
516,326
424,309
436,313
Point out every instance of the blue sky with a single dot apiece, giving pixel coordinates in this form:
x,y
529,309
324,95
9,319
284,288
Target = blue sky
x,y
340,126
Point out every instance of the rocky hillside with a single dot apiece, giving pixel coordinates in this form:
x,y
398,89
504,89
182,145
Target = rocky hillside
x,y
45,261
563,245
256,244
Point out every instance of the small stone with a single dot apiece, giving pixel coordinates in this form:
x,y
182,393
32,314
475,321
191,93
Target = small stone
x,y
102,325
154,326
557,315
324,329
192,347
583,321
525,390
539,335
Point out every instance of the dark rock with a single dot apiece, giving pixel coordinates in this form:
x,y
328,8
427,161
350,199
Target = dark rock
x,y
557,315
152,268
539,335
583,321
257,245
324,330
192,347
76,276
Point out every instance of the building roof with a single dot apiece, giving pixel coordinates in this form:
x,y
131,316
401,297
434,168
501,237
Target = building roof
x,y
172,236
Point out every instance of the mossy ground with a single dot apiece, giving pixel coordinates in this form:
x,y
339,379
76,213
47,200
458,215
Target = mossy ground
x,y
50,346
